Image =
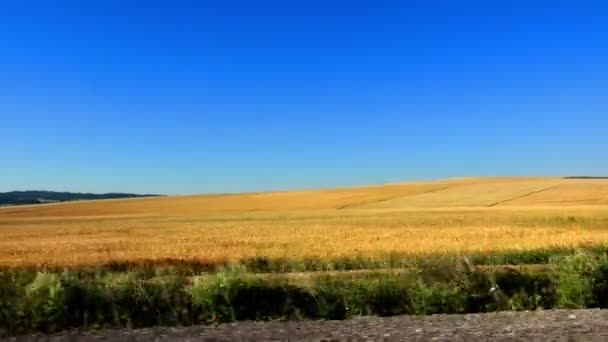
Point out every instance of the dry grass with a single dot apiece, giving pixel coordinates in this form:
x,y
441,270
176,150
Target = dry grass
x,y
307,223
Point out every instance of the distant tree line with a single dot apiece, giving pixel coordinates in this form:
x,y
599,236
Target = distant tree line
x,y
35,197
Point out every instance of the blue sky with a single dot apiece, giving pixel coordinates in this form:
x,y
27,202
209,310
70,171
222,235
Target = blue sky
x,y
222,96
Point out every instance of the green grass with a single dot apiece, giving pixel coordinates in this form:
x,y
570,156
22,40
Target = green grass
x,y
32,301
188,268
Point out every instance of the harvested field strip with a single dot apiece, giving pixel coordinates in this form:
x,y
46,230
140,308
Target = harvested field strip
x,y
436,273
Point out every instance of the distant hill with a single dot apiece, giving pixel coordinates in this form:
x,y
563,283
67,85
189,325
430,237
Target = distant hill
x,y
36,197
586,177
446,194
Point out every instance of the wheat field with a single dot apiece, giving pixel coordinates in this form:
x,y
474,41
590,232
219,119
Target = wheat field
x,y
446,216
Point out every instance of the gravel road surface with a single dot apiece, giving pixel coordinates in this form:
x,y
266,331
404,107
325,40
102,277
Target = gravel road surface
x,y
557,325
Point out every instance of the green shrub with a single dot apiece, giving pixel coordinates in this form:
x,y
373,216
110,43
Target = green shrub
x,y
44,302
389,296
213,295
382,295
576,285
583,280
12,293
439,298
236,295
97,298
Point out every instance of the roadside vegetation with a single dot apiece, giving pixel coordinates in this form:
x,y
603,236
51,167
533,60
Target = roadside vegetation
x,y
487,245
48,301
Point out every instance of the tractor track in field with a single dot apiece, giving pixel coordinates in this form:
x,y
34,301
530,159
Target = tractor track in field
x,y
524,195
355,205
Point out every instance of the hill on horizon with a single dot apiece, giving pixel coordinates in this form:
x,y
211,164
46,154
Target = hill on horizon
x,y
477,192
41,196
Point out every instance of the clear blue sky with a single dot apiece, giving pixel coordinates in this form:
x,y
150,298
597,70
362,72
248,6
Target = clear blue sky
x,y
215,96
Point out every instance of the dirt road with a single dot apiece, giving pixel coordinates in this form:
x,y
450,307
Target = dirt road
x,y
558,325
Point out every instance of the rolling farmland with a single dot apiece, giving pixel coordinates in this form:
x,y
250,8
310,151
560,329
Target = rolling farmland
x,y
446,246
445,216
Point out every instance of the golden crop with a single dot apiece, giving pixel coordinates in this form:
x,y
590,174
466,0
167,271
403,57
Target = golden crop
x,y
451,216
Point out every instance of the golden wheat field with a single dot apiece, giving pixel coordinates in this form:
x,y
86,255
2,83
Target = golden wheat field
x,y
444,216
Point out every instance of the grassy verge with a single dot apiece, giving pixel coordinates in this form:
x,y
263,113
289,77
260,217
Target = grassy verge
x,y
192,267
51,301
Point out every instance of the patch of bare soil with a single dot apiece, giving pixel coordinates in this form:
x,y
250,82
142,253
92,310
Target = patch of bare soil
x,y
555,325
